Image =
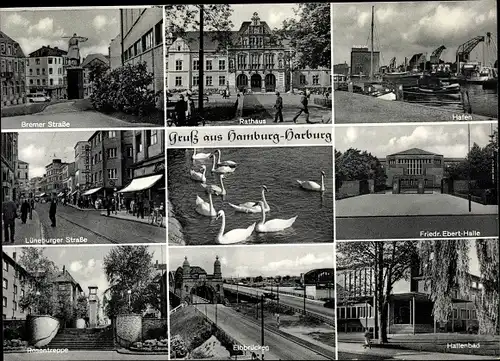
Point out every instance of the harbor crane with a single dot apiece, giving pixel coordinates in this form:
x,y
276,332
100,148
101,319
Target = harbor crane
x,y
464,50
436,54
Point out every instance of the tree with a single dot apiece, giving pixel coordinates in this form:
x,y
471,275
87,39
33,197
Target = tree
x,y
82,307
38,294
258,279
129,268
487,307
310,36
64,310
445,266
391,261
355,164
97,71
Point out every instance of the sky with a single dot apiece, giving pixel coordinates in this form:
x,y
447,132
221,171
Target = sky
x,y
34,29
449,140
273,14
263,261
404,29
39,148
86,264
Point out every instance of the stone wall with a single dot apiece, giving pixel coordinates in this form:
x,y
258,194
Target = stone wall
x,y
154,328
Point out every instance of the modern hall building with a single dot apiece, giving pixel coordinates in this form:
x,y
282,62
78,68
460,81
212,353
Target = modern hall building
x,y
361,63
12,71
46,71
140,40
251,58
410,308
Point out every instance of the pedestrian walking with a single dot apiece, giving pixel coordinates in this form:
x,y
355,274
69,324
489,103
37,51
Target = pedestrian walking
x,y
279,108
464,94
9,215
140,208
109,206
190,108
32,206
304,101
25,208
52,211
278,320
368,337
180,111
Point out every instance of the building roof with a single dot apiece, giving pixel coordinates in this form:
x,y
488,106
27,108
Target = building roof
x,y
47,51
197,270
93,57
4,38
11,261
22,161
65,276
414,151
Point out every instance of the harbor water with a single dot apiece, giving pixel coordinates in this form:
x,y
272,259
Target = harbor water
x,y
278,169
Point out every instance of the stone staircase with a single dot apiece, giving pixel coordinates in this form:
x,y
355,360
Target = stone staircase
x,y
83,339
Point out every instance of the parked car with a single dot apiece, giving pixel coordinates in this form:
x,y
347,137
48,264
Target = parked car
x,y
269,295
329,304
37,98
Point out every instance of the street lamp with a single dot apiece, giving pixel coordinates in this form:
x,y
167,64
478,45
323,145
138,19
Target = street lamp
x,y
37,294
129,302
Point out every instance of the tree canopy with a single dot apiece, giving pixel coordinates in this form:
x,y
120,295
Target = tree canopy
x,y
355,164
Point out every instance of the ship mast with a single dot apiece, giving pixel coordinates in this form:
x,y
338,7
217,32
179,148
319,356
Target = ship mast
x,y
371,54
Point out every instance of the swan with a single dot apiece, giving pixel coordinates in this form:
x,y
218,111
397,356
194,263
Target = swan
x,y
199,176
222,169
228,163
215,189
253,207
233,236
205,208
273,225
199,156
313,186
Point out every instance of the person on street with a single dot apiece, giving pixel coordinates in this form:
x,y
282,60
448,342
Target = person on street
x,y
32,206
190,108
304,101
25,208
140,208
180,111
109,206
132,207
9,215
464,94
368,337
279,108
52,211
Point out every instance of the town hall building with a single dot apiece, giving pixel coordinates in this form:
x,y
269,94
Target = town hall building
x,y
251,58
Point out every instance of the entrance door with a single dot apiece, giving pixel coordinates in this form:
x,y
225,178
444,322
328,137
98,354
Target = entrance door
x,y
256,83
241,82
270,81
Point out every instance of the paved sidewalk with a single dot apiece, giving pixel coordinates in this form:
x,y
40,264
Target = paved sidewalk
x,y
408,205
358,349
23,232
127,216
82,209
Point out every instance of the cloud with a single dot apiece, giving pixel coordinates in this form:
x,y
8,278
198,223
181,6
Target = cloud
x,y
32,153
76,266
363,19
34,43
100,22
101,48
16,20
36,171
351,135
288,266
275,18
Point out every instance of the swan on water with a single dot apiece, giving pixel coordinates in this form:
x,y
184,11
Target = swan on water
x,y
233,236
199,156
215,189
313,186
273,225
253,207
228,163
222,169
199,176
205,208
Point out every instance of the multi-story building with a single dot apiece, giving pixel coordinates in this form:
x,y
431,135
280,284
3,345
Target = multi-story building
x,y
409,307
12,72
54,175
111,160
65,286
35,186
90,61
361,63
46,71
22,176
250,58
68,178
9,161
82,165
148,168
14,277
140,40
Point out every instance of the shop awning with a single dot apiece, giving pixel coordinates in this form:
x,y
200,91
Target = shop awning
x,y
60,194
140,184
92,191
72,193
41,195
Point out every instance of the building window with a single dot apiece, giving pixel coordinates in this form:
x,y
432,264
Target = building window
x,y
15,289
315,79
159,33
51,81
37,71
138,143
44,81
100,175
137,48
112,173
4,302
43,71
37,61
178,65
302,79
196,65
222,80
147,41
208,65
178,81
15,305
112,134
222,64
50,60
154,137
5,284
112,153
130,173
100,156
62,287
31,73
196,80
5,266
130,152
208,81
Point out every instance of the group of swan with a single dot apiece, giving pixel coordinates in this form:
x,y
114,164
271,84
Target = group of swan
x,y
207,208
